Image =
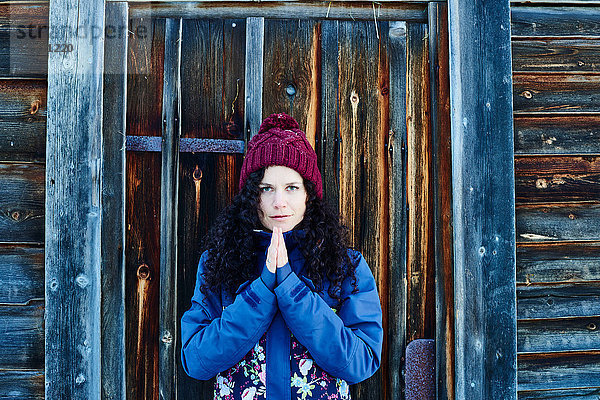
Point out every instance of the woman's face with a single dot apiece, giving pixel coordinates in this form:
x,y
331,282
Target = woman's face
x,y
282,198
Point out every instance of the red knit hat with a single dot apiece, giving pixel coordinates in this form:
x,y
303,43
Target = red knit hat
x,y
280,141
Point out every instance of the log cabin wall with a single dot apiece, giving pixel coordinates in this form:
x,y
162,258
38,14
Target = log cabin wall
x,y
23,66
556,78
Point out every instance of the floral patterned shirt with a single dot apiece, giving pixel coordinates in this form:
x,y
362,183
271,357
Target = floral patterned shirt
x,y
247,379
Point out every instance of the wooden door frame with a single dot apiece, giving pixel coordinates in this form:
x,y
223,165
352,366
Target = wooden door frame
x,y
86,280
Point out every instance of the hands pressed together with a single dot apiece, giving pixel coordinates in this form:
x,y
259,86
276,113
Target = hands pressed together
x,y
277,255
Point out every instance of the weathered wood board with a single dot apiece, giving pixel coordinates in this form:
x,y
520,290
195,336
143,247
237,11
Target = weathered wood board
x,y
22,338
142,251
558,335
24,40
557,179
555,21
551,93
364,126
22,203
558,262
568,394
559,371
558,222
22,272
550,134
558,301
22,120
21,385
556,55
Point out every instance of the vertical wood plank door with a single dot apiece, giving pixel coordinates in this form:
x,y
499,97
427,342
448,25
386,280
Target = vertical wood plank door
x,y
360,89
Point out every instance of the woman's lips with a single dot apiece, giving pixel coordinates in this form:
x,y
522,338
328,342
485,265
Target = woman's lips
x,y
280,216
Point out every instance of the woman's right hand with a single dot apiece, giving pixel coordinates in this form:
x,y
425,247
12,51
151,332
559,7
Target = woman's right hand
x,y
277,252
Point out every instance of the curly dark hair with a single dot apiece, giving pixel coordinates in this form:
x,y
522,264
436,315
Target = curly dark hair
x,y
231,244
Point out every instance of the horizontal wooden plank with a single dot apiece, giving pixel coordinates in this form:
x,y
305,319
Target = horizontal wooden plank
x,y
555,21
556,93
557,134
21,273
22,99
556,55
22,338
416,12
22,203
24,40
558,222
561,301
557,179
564,394
554,335
22,385
22,120
557,262
558,370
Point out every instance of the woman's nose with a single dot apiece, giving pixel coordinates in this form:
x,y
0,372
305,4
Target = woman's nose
x,y
279,200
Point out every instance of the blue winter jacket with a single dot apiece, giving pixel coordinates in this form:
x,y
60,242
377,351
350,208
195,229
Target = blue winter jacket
x,y
218,330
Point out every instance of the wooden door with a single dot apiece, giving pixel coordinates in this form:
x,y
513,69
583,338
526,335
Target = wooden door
x,y
365,84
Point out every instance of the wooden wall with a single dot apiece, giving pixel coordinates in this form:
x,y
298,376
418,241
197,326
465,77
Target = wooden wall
x,y
22,176
556,77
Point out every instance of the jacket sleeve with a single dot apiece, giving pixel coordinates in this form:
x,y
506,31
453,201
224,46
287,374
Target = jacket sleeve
x,y
215,339
346,344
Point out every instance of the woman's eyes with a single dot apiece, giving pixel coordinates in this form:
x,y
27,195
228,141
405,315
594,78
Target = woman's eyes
x,y
290,188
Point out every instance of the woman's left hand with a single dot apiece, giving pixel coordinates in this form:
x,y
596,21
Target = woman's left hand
x,y
282,256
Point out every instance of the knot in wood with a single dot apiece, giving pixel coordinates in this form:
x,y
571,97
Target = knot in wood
x,y
167,337
197,174
143,272
290,90
15,215
35,106
592,326
527,94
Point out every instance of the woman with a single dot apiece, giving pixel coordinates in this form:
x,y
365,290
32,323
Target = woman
x,y
281,309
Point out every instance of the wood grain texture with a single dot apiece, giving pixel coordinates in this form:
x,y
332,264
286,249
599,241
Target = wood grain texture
x,y
419,186
557,222
556,93
483,200
22,384
142,252
328,144
22,339
23,40
557,134
212,74
559,371
567,394
292,81
22,120
556,55
558,335
254,64
171,132
73,204
113,200
364,181
354,11
22,272
208,183
145,60
557,179
397,311
442,199
558,262
562,21
22,203
558,301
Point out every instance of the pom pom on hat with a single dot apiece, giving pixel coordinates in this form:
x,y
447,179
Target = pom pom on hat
x,y
280,141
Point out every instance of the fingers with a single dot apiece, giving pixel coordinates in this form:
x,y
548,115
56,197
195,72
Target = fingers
x,y
282,256
271,260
